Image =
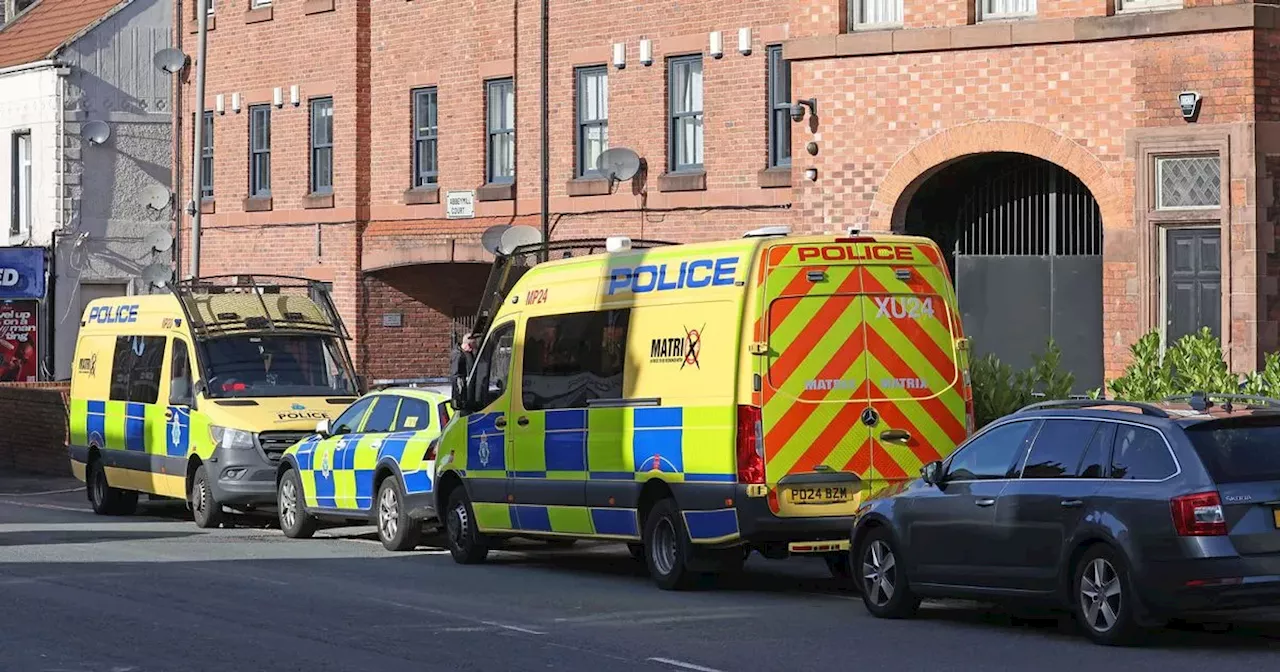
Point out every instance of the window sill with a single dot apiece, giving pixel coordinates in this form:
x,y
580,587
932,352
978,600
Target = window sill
x,y
259,15
257,204
774,178
425,195
317,201
317,6
588,186
194,25
690,181
208,206
505,191
873,27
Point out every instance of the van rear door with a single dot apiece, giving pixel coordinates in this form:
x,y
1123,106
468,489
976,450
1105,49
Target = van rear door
x,y
814,388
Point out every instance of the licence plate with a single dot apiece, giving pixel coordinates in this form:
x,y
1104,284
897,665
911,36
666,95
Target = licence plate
x,y
837,494
1276,514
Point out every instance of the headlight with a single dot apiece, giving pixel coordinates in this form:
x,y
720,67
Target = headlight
x,y
231,439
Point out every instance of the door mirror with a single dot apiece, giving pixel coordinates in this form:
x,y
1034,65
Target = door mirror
x,y
322,428
931,473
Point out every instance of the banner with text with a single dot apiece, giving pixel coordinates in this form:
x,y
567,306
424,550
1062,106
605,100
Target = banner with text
x,y
19,342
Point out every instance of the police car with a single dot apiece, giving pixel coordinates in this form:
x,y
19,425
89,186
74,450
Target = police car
x,y
374,464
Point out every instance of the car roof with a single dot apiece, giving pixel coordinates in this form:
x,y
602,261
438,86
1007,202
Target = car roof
x,y
415,393
1178,412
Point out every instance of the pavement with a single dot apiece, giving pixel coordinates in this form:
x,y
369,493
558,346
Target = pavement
x,y
152,593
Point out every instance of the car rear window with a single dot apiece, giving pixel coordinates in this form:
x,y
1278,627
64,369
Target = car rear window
x,y
1241,451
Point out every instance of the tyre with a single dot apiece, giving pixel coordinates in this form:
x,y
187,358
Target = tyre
x,y
666,546
206,512
466,544
396,530
885,590
1104,601
840,565
291,507
106,500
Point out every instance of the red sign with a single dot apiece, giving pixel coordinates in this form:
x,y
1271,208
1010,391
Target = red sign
x,y
19,342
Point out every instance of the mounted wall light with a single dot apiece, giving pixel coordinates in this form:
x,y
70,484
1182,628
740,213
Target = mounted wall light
x,y
235,103
277,96
620,55
717,44
744,41
646,52
295,97
797,109
219,104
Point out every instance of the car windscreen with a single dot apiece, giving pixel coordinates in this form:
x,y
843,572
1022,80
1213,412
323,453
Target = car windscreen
x,y
276,366
1239,450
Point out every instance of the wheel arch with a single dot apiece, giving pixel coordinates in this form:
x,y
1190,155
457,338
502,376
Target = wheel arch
x,y
653,491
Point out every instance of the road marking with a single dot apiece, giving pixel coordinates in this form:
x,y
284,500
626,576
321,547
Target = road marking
x,y
461,617
683,665
43,492
51,507
513,628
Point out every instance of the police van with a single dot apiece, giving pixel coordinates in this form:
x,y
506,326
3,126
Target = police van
x,y
196,394
701,401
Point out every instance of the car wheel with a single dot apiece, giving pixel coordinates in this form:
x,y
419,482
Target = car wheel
x,y
885,590
466,544
666,546
206,512
295,522
1105,603
396,529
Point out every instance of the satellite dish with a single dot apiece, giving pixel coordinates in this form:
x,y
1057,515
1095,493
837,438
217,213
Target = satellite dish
x,y
169,60
619,163
156,197
96,131
491,239
519,235
157,274
159,240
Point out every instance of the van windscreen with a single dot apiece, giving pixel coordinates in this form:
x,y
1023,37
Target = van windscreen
x,y
1239,450
276,366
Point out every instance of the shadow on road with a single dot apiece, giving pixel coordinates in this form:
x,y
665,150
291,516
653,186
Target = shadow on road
x,y
52,537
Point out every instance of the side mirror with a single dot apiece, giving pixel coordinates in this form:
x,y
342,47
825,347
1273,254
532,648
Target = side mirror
x,y
931,473
322,428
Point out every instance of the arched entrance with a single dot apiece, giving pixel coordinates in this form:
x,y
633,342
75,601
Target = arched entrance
x,y
1023,238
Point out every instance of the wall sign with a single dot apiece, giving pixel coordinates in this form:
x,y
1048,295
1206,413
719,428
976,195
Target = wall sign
x,y
460,204
21,273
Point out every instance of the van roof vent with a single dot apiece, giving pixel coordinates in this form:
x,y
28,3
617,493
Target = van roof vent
x,y
768,231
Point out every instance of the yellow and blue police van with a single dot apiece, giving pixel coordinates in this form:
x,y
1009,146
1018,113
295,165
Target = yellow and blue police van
x,y
375,463
196,393
701,401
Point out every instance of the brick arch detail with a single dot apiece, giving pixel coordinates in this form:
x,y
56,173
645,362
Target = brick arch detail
x,y
982,137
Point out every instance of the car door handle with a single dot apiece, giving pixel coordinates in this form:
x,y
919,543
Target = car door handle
x,y
500,423
985,502
1072,503
522,421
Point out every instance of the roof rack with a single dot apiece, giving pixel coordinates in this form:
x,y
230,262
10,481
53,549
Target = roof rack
x,y
1067,404
226,304
1201,401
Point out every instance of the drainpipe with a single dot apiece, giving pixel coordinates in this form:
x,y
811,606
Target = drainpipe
x,y
202,24
546,140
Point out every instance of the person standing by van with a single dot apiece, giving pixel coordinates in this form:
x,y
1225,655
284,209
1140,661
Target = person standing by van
x,y
463,358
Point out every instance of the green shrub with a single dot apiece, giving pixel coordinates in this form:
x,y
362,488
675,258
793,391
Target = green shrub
x,y
998,390
1194,363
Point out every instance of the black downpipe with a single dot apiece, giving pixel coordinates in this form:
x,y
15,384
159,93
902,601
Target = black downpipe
x,y
50,316
546,138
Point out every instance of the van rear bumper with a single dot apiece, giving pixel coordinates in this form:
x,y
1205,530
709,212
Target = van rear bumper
x,y
757,524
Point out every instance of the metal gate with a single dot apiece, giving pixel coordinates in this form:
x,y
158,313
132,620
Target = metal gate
x,y
1028,260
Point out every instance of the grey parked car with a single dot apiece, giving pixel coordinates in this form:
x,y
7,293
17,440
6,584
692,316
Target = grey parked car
x,y
1127,514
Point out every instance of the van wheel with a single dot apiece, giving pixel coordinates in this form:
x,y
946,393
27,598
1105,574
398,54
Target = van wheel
x,y
666,545
295,522
1104,601
106,500
206,512
466,544
396,529
885,590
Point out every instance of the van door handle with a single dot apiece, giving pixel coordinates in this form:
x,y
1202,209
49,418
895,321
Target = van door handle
x,y
1072,503
895,436
522,421
985,502
500,423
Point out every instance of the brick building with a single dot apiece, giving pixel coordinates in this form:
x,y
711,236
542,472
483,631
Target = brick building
x,y
1041,141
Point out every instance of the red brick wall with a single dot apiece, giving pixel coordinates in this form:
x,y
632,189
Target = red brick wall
x,y
35,429
427,297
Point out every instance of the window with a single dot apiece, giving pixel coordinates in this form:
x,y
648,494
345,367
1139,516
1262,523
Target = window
x,y
260,150
570,360
135,369
206,157
1188,182
383,415
415,414
593,118
180,375
1058,448
256,4
876,13
322,146
349,421
501,148
685,89
1238,450
1139,5
1096,457
1140,454
493,367
21,189
990,455
426,169
779,108
1005,9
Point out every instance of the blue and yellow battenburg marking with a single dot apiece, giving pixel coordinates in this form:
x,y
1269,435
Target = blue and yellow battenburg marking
x,y
337,474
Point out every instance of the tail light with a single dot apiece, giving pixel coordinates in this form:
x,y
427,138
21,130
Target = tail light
x,y
1198,515
750,445
970,417
431,449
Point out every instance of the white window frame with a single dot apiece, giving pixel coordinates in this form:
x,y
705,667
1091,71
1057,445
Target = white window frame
x,y
1148,5
23,188
259,4
985,14
858,12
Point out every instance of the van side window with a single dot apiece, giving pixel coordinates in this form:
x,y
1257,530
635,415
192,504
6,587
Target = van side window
x,y
492,371
180,375
574,358
135,368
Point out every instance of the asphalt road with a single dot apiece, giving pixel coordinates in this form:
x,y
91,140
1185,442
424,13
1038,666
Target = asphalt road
x,y
152,593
